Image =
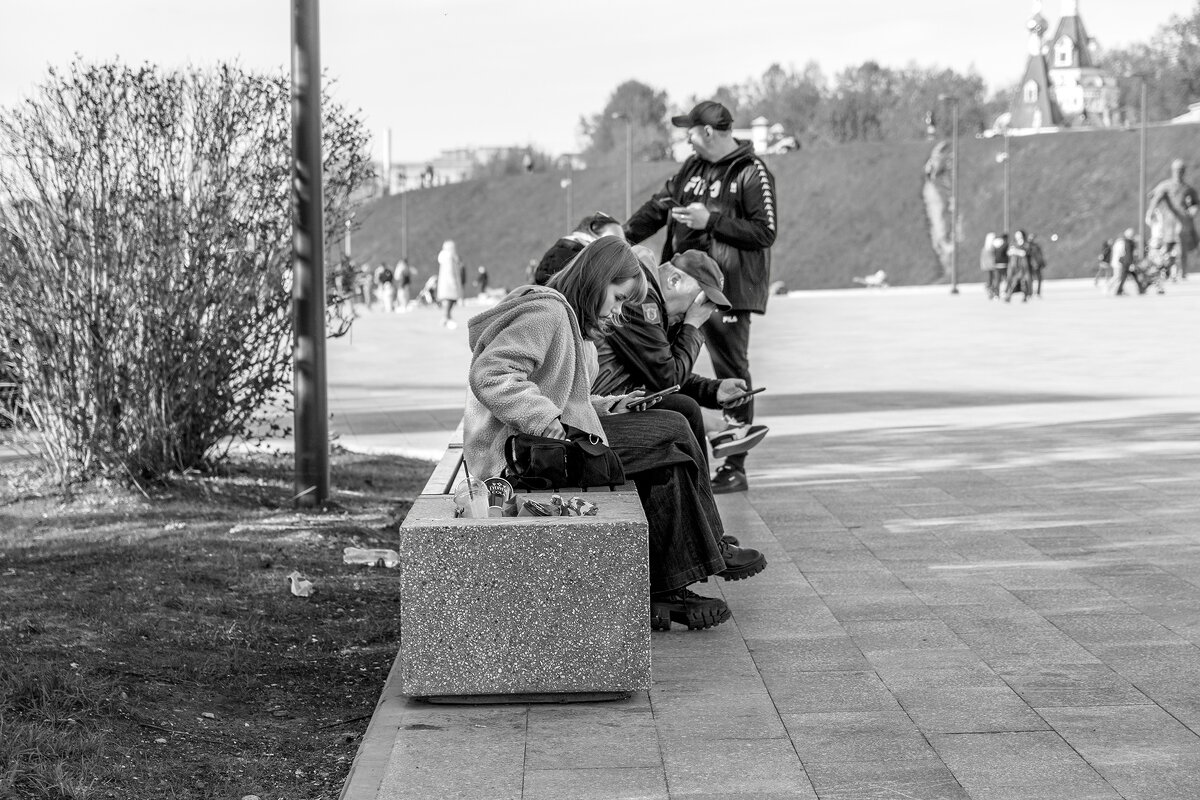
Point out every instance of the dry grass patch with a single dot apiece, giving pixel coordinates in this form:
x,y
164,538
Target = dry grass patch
x,y
151,647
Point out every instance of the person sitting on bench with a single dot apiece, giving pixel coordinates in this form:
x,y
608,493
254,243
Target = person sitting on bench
x,y
532,366
659,341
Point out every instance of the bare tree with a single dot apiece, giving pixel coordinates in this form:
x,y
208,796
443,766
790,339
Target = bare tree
x,y
148,256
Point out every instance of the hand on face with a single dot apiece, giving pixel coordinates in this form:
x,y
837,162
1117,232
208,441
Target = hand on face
x,y
699,311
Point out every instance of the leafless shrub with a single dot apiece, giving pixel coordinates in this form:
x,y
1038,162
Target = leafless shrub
x,y
147,257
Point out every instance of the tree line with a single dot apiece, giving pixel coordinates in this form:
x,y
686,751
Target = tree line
x,y
872,102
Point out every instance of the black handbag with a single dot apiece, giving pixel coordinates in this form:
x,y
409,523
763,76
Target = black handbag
x,y
540,463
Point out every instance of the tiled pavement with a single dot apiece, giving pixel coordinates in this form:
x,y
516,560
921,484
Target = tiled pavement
x,y
983,524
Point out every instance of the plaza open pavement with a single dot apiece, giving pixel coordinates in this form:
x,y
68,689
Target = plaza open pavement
x,y
983,527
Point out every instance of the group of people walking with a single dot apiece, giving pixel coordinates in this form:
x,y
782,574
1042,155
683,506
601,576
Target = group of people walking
x,y
1011,266
1170,215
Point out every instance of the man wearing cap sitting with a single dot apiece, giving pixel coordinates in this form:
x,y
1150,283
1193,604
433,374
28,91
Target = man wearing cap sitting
x,y
658,343
722,203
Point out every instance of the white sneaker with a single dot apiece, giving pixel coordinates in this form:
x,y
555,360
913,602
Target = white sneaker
x,y
736,440
451,324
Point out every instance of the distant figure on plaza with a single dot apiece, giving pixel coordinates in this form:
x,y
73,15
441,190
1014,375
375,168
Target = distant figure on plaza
x,y
1037,264
365,282
589,229
481,281
999,264
385,287
404,282
987,264
530,271
428,295
1019,271
451,278
1173,207
1104,264
1122,258
722,203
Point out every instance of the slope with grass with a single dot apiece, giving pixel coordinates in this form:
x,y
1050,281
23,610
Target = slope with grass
x,y
844,211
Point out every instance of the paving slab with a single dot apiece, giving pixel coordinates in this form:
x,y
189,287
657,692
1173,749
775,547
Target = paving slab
x,y
984,580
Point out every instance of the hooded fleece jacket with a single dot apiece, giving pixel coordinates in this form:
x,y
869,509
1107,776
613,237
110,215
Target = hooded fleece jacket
x,y
530,365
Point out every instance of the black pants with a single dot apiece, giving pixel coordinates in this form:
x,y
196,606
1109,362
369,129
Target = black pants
x,y
690,409
667,464
728,338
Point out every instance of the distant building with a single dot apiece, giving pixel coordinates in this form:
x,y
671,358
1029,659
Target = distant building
x,y
767,139
1062,87
450,166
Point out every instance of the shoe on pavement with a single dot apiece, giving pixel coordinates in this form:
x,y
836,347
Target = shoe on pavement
x,y
737,440
686,608
729,479
741,562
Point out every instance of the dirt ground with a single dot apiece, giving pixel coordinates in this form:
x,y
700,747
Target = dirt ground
x,y
151,647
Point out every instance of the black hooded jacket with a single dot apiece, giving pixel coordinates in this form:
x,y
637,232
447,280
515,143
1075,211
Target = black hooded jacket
x,y
739,192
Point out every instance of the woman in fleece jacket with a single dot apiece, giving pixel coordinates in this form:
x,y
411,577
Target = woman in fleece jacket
x,y
533,361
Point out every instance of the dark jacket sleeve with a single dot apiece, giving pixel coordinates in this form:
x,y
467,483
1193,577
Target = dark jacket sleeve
x,y
653,214
653,359
756,229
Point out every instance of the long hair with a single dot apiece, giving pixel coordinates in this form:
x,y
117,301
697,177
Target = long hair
x,y
585,280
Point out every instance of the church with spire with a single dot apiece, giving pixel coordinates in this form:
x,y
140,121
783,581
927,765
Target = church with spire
x,y
1062,87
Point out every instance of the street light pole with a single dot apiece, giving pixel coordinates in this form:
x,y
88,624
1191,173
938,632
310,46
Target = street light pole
x,y
628,162
1006,157
1141,219
953,192
404,223
308,246
569,184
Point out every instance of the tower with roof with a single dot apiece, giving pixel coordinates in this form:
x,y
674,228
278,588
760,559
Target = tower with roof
x,y
1062,86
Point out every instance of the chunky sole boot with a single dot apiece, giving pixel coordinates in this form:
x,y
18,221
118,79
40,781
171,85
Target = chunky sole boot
x,y
741,562
685,607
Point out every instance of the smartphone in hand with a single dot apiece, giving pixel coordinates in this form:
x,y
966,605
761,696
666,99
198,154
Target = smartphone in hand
x,y
737,397
643,402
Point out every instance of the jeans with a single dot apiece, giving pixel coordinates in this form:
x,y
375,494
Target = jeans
x,y
668,466
690,409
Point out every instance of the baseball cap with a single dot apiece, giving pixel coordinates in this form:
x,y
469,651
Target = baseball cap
x,y
706,112
706,272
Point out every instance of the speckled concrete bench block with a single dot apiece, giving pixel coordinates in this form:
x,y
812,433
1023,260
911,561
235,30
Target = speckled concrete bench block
x,y
524,605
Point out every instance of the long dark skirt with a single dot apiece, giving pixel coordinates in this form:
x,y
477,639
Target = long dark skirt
x,y
669,468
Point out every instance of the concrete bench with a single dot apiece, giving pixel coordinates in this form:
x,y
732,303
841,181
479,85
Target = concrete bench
x,y
522,609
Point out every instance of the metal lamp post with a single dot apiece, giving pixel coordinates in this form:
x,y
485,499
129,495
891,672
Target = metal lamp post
x,y
308,246
1141,218
953,191
568,183
628,163
1003,159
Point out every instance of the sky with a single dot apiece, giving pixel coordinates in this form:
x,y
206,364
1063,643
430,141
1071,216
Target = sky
x,y
441,74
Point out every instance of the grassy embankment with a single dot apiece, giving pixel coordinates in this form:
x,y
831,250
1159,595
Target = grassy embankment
x,y
844,211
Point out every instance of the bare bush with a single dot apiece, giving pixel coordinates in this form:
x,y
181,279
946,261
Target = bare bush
x,y
146,266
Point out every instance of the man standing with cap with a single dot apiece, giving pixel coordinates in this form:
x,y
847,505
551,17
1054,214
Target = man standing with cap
x,y
721,202
1172,211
